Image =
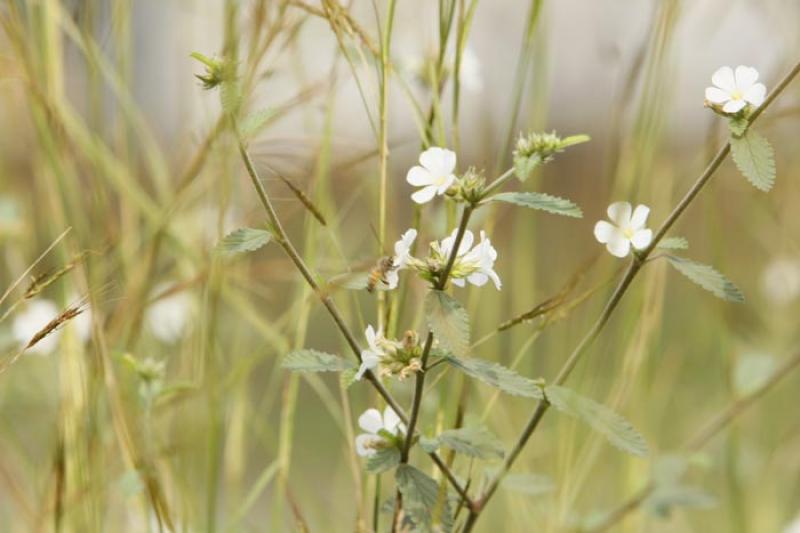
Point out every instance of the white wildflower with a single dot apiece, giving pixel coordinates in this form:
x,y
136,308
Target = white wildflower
x,y
371,356
435,175
374,425
734,90
402,257
473,265
628,229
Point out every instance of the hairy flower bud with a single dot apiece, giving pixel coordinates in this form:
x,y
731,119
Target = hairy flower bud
x,y
535,149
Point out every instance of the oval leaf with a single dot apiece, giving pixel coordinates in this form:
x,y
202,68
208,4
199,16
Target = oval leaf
x,y
421,498
315,361
618,431
383,459
473,441
708,278
673,243
541,201
243,240
755,159
448,320
498,376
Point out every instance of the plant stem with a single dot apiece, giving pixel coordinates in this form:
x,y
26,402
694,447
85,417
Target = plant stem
x,y
619,292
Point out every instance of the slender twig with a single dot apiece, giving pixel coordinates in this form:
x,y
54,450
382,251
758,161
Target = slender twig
x,y
633,269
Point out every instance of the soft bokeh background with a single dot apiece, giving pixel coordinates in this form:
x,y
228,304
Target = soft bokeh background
x,y
105,130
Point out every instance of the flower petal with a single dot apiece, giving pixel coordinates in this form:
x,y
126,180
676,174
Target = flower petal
x,y
419,177
745,77
734,106
439,161
459,282
755,94
723,78
641,239
424,195
369,360
619,246
446,183
478,279
390,420
716,95
603,231
392,279
620,213
371,421
639,217
362,444
495,279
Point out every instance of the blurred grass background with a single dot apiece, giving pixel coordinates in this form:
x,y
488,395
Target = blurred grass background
x,y
106,131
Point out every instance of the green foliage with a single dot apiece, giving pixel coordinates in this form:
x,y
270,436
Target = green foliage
x,y
738,125
708,278
243,240
448,320
541,201
755,158
315,361
348,377
673,243
537,148
498,376
618,431
473,441
422,499
383,459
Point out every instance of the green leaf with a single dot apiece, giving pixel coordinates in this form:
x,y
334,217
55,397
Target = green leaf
x,y
429,444
448,321
348,377
255,121
708,278
541,201
524,166
315,361
618,431
663,499
738,125
498,376
383,459
673,243
755,159
473,441
422,499
573,140
243,240
530,484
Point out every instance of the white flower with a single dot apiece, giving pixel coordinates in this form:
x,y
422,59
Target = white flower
x,y
373,423
476,265
402,257
373,354
167,317
36,315
734,90
780,280
627,229
435,175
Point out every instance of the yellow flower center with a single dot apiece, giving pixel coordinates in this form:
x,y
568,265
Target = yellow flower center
x,y
628,232
736,95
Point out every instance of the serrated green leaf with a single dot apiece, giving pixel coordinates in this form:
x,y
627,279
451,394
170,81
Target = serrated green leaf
x,y
541,201
663,499
498,376
524,166
618,431
530,484
315,361
708,278
755,158
252,123
421,498
348,377
429,444
738,125
473,441
673,243
383,459
448,320
243,240
572,140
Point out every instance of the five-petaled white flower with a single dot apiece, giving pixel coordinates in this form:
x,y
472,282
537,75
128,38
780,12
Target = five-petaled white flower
x,y
374,424
734,90
371,356
402,257
628,229
435,175
474,265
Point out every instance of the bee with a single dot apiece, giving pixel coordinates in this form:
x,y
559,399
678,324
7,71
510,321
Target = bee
x,y
378,274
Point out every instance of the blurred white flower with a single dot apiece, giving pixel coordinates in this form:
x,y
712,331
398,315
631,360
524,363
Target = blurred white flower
x,y
470,74
474,265
374,424
734,90
167,317
628,229
780,280
371,356
435,175
402,257
31,320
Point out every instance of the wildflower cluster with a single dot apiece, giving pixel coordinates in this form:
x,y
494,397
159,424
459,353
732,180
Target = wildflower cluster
x,y
390,357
